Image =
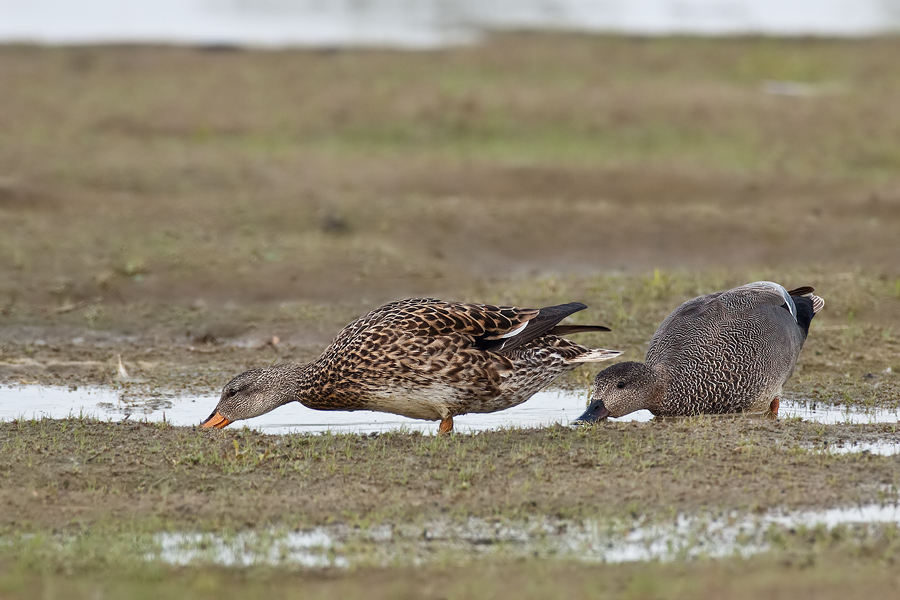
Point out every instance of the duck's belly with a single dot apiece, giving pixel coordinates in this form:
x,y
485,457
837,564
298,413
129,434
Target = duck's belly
x,y
434,403
438,401
431,403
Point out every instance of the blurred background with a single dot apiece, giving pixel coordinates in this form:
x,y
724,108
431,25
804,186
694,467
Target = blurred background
x,y
425,23
165,162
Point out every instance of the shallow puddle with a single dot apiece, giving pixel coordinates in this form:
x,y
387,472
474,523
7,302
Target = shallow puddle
x,y
612,542
879,447
303,548
545,408
831,414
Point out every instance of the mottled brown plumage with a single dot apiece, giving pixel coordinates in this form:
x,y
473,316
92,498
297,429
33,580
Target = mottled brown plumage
x,y
421,358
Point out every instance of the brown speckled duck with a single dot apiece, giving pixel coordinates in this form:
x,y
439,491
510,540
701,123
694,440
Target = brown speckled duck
x,y
726,352
424,359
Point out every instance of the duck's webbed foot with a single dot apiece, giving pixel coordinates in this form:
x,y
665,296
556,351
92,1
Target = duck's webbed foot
x,y
773,409
446,426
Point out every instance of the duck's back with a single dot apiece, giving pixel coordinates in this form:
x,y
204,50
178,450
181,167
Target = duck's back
x,y
727,352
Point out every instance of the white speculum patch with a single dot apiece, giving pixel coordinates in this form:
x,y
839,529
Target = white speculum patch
x,y
516,331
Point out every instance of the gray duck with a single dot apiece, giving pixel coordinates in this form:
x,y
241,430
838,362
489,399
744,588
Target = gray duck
x,y
726,352
424,359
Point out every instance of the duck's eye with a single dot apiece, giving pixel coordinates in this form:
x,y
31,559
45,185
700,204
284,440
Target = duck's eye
x,y
620,385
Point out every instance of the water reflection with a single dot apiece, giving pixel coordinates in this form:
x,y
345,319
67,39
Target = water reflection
x,y
545,408
830,414
340,545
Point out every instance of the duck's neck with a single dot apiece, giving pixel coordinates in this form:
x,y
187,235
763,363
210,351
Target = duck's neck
x,y
310,389
657,384
288,382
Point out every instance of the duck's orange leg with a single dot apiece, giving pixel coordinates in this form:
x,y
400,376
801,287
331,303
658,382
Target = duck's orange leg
x,y
773,409
446,426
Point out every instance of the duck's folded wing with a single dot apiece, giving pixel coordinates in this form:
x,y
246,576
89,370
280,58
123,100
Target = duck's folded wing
x,y
436,318
430,318
778,295
546,321
494,328
767,292
489,327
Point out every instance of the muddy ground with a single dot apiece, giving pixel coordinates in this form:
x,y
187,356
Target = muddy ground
x,y
199,213
68,473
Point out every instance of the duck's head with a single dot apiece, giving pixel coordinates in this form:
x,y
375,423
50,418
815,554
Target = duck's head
x,y
252,394
621,389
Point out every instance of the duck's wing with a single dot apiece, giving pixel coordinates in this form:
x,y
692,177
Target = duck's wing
x,y
738,302
801,302
546,321
765,292
488,327
708,320
701,323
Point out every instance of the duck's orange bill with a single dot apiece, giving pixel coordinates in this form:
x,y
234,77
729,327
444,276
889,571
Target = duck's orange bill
x,y
216,420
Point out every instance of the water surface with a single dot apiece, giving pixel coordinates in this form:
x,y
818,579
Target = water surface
x,y
616,541
545,408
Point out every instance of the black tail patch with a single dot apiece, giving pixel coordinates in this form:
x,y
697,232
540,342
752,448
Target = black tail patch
x,y
805,312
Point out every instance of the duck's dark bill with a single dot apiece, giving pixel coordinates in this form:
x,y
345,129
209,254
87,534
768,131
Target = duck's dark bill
x,y
595,412
215,420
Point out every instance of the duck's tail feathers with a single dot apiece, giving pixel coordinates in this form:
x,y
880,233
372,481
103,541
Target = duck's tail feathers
x,y
541,324
567,329
802,291
818,303
808,305
595,355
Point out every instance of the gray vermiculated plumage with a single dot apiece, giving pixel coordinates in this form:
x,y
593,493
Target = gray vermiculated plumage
x,y
425,359
724,352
